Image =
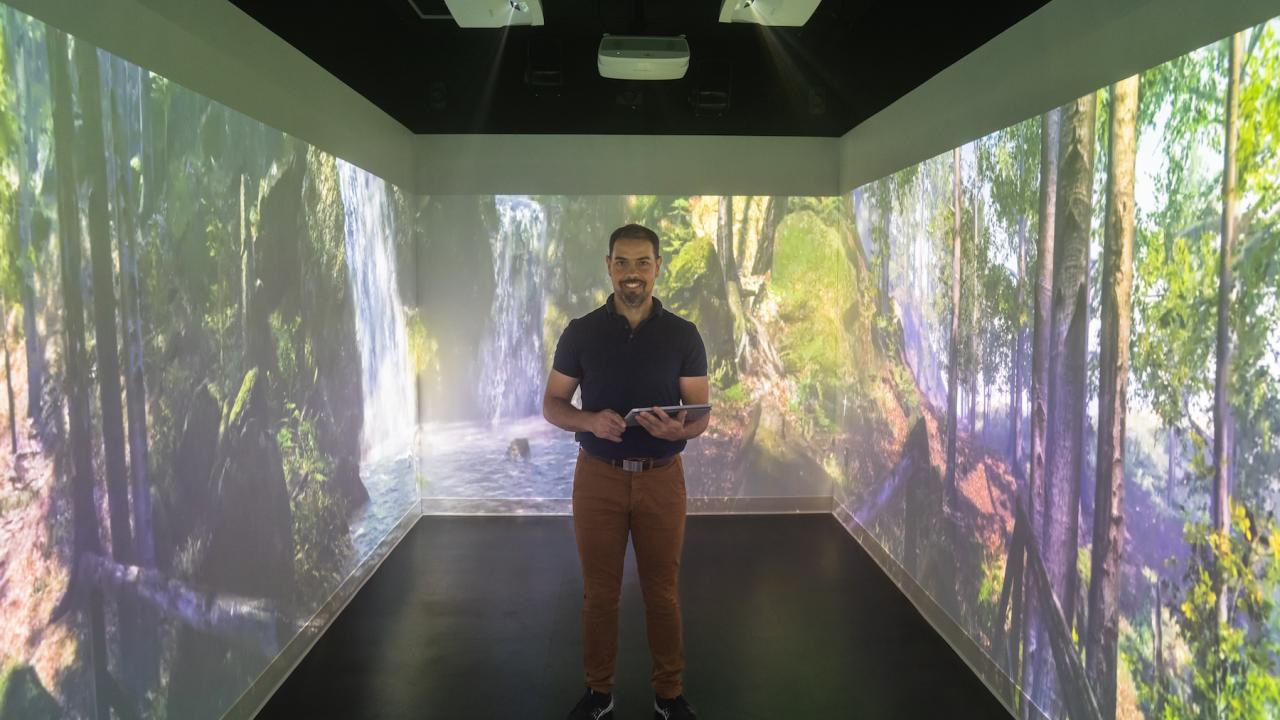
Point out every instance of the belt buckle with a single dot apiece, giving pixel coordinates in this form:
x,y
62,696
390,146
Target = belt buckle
x,y
632,465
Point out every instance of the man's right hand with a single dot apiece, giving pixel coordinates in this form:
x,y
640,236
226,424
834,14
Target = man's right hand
x,y
608,425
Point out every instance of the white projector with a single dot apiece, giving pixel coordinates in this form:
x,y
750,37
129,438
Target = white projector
x,y
493,13
633,57
784,13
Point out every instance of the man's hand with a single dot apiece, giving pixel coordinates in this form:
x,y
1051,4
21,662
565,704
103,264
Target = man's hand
x,y
661,425
607,425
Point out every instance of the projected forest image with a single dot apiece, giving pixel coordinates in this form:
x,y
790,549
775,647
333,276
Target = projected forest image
x,y
205,419
761,277
1083,468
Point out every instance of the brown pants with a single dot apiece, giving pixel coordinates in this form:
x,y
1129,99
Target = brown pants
x,y
609,502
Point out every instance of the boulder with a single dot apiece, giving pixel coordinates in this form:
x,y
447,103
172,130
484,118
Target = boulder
x,y
250,546
23,697
694,289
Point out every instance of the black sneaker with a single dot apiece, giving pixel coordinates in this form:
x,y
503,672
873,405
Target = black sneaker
x,y
677,708
593,706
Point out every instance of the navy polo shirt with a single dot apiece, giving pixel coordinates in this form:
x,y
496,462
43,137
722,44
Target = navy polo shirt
x,y
621,368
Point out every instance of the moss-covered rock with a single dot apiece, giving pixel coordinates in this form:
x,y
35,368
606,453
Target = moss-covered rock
x,y
23,697
250,545
693,287
193,463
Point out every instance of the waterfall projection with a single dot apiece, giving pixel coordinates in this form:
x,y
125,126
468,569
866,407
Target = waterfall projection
x,y
512,377
380,321
249,285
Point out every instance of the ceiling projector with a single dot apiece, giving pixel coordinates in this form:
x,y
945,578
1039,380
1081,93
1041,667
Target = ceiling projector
x,y
634,57
785,13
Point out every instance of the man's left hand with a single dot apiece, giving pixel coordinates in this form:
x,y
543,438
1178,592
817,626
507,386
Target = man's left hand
x,y
661,425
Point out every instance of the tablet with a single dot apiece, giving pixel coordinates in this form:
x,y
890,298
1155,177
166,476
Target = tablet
x,y
694,412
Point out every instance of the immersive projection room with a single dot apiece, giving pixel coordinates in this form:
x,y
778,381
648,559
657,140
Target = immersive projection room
x,y
618,359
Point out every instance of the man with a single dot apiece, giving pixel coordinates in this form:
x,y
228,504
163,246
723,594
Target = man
x,y
629,353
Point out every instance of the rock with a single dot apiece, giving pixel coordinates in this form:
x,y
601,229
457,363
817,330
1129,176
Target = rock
x,y
193,463
346,479
518,449
694,289
280,226
23,697
250,548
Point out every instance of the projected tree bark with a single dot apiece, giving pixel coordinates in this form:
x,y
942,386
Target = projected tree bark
x,y
1116,285
77,384
953,359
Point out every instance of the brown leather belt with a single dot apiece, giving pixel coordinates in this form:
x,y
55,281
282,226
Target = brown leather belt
x,y
635,464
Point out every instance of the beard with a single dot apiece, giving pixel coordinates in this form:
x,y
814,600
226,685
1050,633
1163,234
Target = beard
x,y
633,298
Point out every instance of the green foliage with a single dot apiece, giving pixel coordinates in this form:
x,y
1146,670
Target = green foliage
x,y
813,282
734,396
321,539
424,349
1235,669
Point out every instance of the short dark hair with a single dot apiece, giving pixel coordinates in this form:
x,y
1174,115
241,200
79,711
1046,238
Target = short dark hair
x,y
634,231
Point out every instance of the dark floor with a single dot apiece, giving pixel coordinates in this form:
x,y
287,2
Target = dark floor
x,y
785,617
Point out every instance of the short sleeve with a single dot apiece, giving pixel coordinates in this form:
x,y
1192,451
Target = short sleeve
x,y
568,358
694,363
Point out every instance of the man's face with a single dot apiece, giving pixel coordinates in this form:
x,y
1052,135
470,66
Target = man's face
x,y
633,269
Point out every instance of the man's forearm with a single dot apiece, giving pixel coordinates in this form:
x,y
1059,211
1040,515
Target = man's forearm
x,y
697,427
564,415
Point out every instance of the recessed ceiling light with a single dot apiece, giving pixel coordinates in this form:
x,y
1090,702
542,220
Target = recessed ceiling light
x,y
524,6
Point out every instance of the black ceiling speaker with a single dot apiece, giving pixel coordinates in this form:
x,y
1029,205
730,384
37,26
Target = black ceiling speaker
x,y
544,69
630,95
437,97
712,88
817,100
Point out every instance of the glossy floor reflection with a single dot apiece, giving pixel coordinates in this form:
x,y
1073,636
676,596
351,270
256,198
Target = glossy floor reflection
x,y
478,617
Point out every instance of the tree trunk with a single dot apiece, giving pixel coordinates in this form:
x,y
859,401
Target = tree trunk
x,y
975,292
108,353
1019,343
1222,430
729,266
1037,661
104,306
248,623
775,210
246,271
886,225
84,509
1157,626
986,406
953,377
1116,285
1067,368
135,379
30,120
147,670
8,381
1175,451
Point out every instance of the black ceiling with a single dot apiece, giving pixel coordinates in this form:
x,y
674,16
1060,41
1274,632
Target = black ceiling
x,y
852,59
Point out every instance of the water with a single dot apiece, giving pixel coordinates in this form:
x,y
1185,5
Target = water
x,y
512,374
393,491
471,460
387,383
